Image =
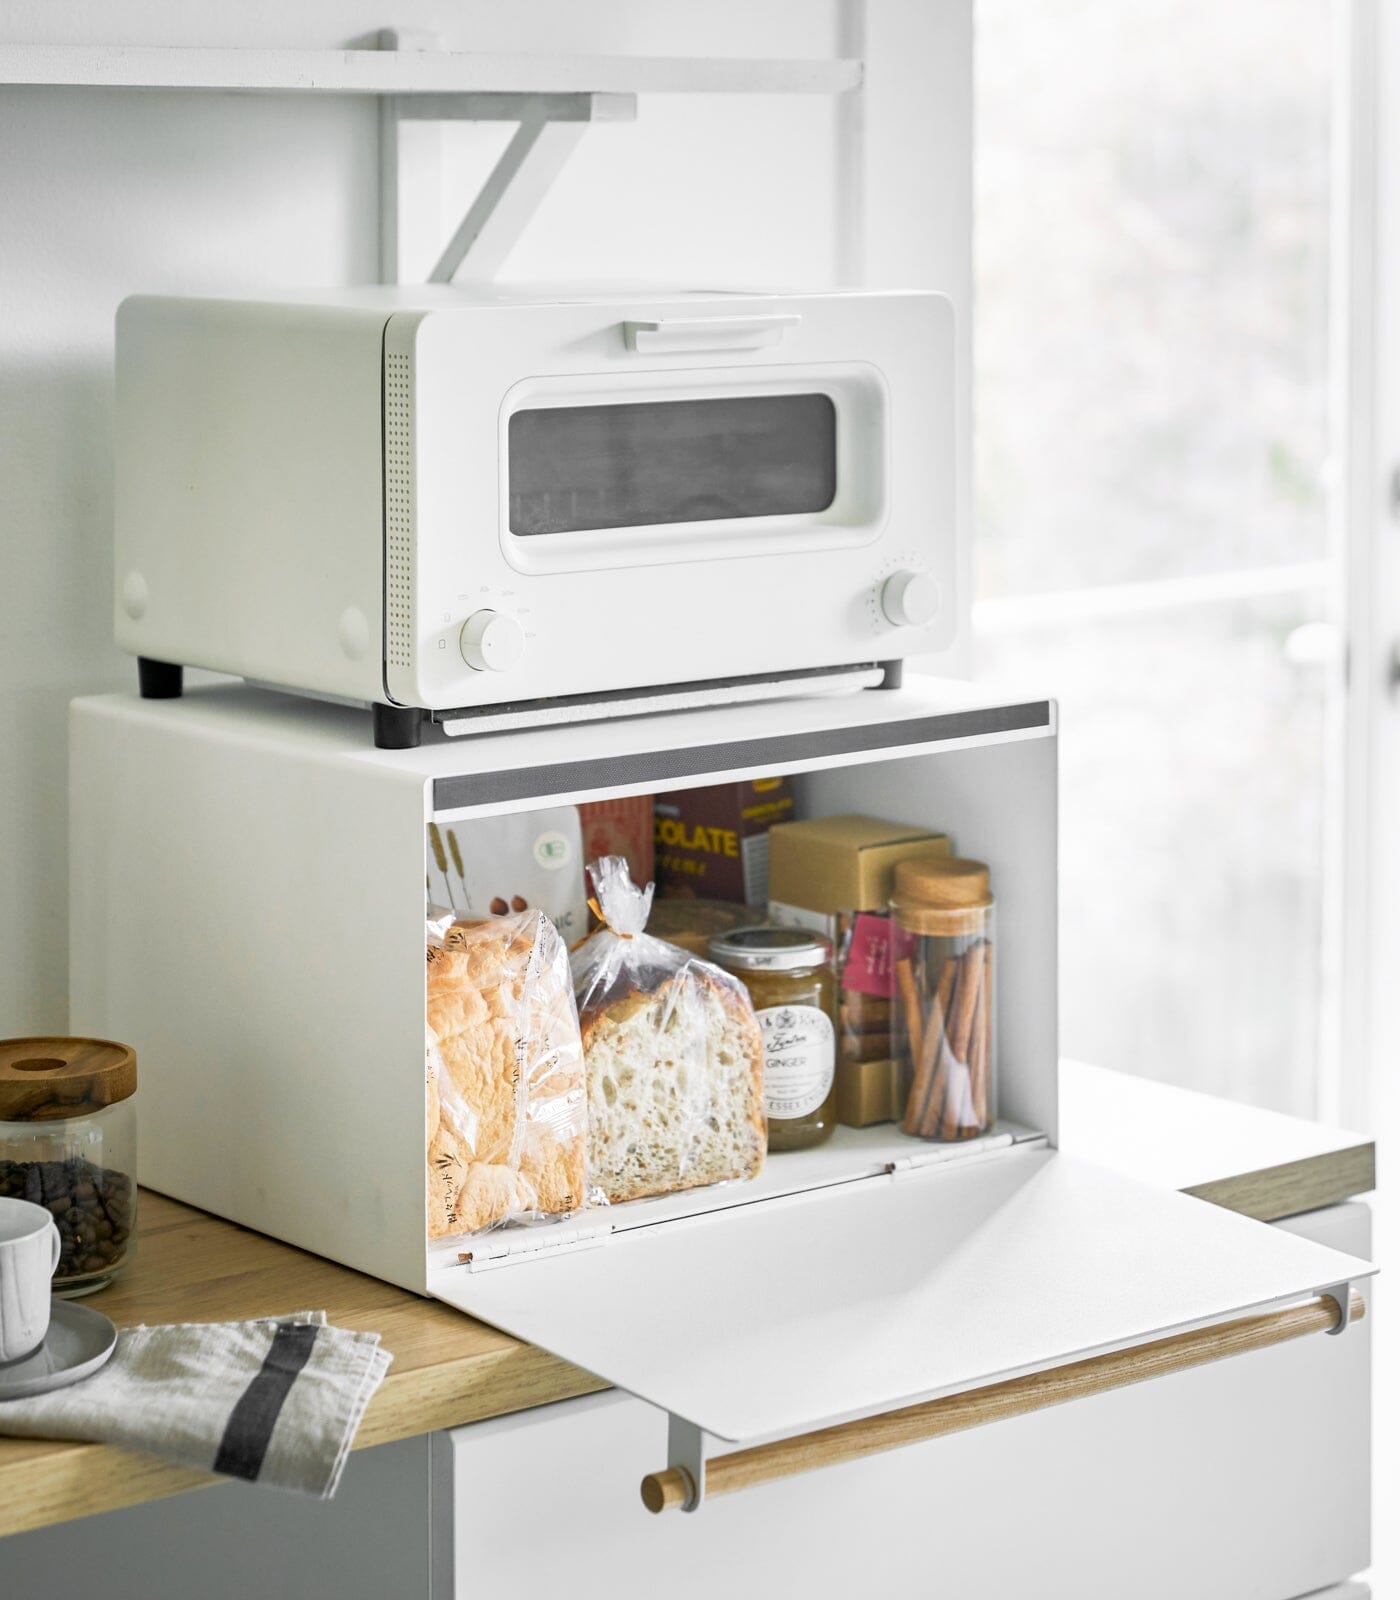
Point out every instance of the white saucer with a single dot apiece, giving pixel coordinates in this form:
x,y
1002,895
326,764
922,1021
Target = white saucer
x,y
78,1342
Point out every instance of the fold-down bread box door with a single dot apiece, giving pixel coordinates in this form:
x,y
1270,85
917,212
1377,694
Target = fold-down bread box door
x,y
774,1318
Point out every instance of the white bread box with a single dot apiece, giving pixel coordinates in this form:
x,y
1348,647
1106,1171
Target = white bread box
x,y
247,909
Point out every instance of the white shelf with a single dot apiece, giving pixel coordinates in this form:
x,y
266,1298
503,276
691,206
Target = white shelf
x,y
405,72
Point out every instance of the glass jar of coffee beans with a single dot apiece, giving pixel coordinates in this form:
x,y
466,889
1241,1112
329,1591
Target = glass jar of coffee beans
x,y
68,1143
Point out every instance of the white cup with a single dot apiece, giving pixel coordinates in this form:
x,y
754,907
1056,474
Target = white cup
x,y
29,1247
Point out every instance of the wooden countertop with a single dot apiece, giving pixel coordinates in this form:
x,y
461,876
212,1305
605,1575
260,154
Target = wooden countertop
x,y
191,1267
1259,1163
449,1370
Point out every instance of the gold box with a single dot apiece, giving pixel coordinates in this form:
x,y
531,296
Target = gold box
x,y
822,875
866,1092
831,865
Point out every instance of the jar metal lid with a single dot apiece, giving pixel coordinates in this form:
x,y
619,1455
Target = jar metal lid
x,y
768,949
52,1079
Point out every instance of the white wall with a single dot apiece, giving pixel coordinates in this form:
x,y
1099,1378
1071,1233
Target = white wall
x,y
104,193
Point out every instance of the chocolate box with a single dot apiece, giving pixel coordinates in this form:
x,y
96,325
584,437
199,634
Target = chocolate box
x,y
712,844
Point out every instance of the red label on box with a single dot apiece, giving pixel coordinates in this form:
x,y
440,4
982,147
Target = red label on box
x,y
869,965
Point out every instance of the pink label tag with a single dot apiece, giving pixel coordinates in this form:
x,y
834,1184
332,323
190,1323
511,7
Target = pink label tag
x,y
869,965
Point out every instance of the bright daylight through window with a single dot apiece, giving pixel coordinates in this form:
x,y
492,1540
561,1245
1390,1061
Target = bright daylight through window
x,y
1152,258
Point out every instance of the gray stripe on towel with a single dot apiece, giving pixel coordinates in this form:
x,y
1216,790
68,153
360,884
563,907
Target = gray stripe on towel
x,y
255,1413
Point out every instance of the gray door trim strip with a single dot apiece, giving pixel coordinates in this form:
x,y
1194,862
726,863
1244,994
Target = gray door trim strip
x,y
695,761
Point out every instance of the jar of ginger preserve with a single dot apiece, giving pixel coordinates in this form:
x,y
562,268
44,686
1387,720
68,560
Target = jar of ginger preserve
x,y
788,974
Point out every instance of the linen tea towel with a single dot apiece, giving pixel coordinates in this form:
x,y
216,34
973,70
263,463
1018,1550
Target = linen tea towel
x,y
275,1401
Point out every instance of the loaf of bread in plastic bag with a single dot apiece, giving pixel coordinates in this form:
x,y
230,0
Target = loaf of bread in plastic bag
x,y
674,1056
506,1109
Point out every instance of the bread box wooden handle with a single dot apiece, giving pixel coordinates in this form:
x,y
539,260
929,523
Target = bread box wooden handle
x,y
669,1490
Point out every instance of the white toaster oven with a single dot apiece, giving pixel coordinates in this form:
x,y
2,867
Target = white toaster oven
x,y
478,506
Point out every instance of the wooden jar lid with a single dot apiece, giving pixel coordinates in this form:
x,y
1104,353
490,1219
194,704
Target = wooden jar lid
x,y
942,894
50,1079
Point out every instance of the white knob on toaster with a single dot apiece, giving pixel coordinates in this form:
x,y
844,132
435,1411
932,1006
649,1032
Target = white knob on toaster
x,y
492,641
909,599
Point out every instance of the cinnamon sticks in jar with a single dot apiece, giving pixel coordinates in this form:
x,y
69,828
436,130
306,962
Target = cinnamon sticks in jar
x,y
943,1022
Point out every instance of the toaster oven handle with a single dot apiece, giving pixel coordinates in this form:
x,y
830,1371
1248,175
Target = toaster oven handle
x,y
1330,1311
682,335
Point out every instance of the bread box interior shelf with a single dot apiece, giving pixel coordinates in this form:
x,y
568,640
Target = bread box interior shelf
x,y
247,909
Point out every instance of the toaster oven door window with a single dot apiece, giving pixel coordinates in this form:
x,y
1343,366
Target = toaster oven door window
x,y
670,461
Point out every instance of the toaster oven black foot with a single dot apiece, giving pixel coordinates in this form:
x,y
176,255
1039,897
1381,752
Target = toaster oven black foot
x,y
396,727
894,675
159,680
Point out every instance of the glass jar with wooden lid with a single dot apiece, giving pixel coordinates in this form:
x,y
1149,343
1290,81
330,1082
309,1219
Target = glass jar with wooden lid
x,y
788,974
944,1032
68,1143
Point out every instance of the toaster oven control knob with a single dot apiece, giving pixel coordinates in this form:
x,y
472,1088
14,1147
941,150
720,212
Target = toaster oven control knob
x,y
492,641
909,599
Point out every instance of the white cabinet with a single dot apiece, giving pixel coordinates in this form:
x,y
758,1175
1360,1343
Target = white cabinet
x,y
1247,1478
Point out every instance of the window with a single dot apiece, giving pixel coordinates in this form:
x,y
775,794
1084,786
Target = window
x,y
663,461
1152,381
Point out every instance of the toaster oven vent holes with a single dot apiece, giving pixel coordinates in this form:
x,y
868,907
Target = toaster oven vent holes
x,y
398,513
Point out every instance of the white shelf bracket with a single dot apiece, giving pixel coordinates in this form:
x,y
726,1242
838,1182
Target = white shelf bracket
x,y
685,1449
549,128
1341,1293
